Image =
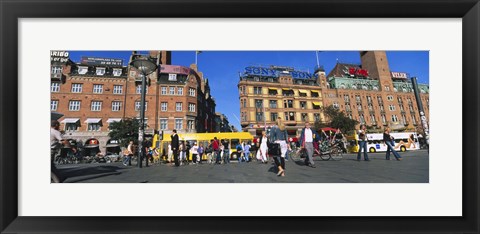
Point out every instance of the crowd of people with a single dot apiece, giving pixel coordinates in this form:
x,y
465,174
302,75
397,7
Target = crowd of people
x,y
273,145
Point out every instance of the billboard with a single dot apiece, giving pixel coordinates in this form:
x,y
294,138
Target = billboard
x,y
174,69
95,61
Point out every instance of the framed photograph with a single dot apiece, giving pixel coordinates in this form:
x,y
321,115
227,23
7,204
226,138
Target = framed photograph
x,y
444,200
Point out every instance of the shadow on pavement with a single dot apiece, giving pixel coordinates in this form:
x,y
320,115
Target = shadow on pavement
x,y
73,175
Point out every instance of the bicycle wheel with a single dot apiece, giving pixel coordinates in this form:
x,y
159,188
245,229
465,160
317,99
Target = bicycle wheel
x,y
337,153
326,156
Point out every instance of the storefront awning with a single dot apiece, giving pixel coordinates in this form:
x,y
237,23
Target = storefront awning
x,y
316,103
314,91
111,120
93,120
70,120
287,89
302,91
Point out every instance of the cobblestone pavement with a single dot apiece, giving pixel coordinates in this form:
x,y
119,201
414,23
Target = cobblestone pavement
x,y
414,168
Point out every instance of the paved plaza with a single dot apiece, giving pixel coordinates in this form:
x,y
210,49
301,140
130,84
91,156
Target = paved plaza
x,y
414,168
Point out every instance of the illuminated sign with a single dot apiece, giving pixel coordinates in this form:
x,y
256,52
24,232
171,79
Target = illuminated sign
x,y
173,69
101,61
267,72
400,75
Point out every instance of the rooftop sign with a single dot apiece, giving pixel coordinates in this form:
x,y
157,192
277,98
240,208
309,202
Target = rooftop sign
x,y
267,72
174,69
101,61
399,75
59,56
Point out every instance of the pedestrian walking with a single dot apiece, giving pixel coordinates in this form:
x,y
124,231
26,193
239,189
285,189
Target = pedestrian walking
x,y
175,147
216,150
246,151
388,139
127,160
183,153
362,143
263,149
226,151
194,152
239,148
279,136
56,143
200,151
169,154
307,137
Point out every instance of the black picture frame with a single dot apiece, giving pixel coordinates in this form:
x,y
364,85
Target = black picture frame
x,y
11,11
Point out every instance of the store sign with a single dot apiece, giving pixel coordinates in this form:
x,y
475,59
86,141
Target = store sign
x,y
399,75
356,71
173,69
267,72
94,61
59,56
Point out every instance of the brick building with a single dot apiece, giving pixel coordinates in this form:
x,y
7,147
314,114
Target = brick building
x,y
368,92
98,91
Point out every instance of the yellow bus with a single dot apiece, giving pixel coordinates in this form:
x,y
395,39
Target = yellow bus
x,y
233,139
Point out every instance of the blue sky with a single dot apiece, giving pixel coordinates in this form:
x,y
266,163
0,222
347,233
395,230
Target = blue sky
x,y
221,68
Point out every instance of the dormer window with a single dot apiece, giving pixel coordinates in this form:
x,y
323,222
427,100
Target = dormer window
x,y
117,72
82,70
172,77
100,71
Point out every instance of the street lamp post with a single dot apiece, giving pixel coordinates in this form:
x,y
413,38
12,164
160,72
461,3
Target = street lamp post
x,y
145,67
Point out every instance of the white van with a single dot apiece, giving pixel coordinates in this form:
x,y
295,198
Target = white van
x,y
403,141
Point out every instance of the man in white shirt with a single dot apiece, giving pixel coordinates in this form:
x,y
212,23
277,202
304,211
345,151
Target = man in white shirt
x,y
306,141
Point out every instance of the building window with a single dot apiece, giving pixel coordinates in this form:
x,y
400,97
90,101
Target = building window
x,y
117,72
97,88
172,77
303,105
259,116
258,103
244,116
374,121
117,89
138,89
100,71
164,91
273,116
96,106
191,92
116,105
243,103
82,70
53,105
77,88
163,124
288,103
346,98
93,127
178,106
347,107
137,106
191,107
179,124
71,127
404,119
290,116
390,98
384,119
180,91
301,94
56,70
316,117
391,107
273,104
74,106
362,119
257,90
394,118
55,87
414,120
335,105
164,106
369,99
172,90
387,88
190,125
358,99
359,107
304,117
